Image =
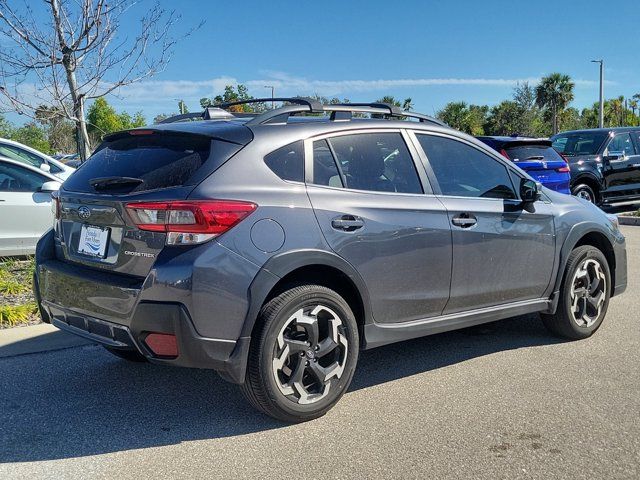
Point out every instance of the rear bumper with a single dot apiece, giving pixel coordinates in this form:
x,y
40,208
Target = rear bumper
x,y
120,311
228,357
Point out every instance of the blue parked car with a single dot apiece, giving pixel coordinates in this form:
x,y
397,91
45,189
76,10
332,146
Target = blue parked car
x,y
535,156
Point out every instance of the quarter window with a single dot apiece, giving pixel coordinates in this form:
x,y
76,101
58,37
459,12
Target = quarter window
x,y
464,171
288,162
378,162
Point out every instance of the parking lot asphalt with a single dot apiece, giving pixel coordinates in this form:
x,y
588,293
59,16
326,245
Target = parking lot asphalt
x,y
505,400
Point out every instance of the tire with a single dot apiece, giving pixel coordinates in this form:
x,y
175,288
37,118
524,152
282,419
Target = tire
x,y
310,324
130,355
584,191
584,295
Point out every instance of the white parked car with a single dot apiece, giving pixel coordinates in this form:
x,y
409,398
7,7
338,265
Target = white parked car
x,y
25,206
30,156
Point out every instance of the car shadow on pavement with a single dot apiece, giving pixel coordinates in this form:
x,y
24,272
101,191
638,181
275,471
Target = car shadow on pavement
x,y
83,401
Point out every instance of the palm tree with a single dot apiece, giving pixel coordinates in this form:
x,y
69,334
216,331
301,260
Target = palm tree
x,y
633,104
554,93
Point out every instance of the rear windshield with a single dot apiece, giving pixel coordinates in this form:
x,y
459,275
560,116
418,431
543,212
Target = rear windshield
x,y
533,152
579,143
158,160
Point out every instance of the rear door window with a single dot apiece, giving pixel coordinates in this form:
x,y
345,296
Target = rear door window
x,y
158,160
378,162
621,143
17,179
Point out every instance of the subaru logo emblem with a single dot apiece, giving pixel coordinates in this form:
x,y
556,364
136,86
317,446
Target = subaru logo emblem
x,y
84,212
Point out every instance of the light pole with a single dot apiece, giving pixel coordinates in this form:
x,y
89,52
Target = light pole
x,y
601,112
273,89
180,105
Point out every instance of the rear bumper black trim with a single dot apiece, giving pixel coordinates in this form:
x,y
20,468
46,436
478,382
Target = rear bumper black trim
x,y
228,357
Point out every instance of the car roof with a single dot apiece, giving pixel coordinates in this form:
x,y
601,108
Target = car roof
x,y
44,156
600,130
504,141
29,167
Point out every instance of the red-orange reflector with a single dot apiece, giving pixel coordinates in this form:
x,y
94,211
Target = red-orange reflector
x,y
162,344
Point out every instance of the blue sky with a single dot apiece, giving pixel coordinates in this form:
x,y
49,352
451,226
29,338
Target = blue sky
x,y
431,51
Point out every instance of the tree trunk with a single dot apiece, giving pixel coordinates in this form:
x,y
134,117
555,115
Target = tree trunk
x,y
82,139
555,120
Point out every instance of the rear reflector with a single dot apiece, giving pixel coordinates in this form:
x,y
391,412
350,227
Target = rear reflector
x,y
563,169
162,344
189,222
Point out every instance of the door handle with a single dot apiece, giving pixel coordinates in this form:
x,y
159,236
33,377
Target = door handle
x,y
347,223
464,220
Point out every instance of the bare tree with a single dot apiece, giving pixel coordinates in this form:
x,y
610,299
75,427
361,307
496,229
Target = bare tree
x,y
77,55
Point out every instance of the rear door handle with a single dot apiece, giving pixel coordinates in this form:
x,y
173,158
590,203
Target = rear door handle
x,y
347,223
464,220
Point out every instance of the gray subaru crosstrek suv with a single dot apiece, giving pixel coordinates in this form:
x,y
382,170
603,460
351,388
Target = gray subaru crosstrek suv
x,y
274,247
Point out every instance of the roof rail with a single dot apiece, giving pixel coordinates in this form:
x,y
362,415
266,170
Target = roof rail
x,y
391,111
338,111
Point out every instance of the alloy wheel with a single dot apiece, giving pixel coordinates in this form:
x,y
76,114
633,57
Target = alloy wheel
x,y
588,293
584,194
310,354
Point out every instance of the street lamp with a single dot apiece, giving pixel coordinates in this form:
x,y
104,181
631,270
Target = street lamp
x,y
601,112
273,89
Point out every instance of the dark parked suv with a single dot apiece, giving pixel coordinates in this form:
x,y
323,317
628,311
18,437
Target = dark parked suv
x,y
604,162
274,247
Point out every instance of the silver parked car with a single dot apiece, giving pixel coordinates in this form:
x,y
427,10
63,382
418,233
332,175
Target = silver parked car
x,y
30,156
25,206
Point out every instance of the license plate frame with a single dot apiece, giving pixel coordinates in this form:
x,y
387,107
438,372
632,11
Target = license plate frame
x,y
94,241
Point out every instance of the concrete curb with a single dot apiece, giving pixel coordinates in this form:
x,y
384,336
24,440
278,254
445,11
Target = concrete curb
x,y
36,339
628,220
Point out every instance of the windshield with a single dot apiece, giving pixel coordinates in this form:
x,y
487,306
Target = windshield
x,y
579,143
533,152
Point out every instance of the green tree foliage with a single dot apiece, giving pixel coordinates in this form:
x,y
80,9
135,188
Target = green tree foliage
x,y
32,135
406,104
553,94
6,128
102,119
466,118
234,94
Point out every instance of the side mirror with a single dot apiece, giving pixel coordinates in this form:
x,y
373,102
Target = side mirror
x,y
51,186
45,167
529,191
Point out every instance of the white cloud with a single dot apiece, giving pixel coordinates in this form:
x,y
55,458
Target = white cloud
x,y
286,84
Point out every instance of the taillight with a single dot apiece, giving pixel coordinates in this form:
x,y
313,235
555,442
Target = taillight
x,y
504,153
55,206
566,168
189,222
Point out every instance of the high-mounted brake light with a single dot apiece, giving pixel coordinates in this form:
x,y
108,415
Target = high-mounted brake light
x,y
140,132
189,222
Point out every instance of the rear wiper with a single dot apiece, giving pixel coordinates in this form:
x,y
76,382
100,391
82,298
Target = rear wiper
x,y
104,183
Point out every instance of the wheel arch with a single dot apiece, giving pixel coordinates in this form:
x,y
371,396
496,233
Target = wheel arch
x,y
307,266
586,233
588,178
